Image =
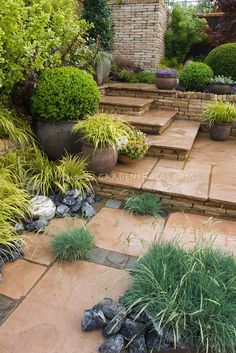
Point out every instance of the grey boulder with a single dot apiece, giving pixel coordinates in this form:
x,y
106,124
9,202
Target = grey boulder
x,y
42,207
114,344
93,319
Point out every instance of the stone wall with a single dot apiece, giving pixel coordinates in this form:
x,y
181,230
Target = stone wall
x,y
140,26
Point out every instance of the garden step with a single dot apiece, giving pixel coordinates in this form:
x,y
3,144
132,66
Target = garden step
x,y
153,122
176,142
125,105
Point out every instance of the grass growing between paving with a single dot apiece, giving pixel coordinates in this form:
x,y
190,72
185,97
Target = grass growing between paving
x,y
190,294
144,204
72,245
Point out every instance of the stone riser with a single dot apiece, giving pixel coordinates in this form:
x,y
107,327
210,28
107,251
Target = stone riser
x,y
173,203
126,110
152,130
168,153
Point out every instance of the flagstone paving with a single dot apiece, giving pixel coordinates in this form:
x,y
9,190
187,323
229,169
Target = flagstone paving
x,y
42,302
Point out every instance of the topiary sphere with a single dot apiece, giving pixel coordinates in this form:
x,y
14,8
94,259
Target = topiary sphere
x,y
196,76
222,60
65,93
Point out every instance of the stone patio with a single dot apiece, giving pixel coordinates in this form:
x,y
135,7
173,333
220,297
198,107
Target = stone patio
x,y
42,302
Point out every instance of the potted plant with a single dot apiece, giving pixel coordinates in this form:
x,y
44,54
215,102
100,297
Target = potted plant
x,y
166,79
132,147
100,133
221,84
61,97
220,116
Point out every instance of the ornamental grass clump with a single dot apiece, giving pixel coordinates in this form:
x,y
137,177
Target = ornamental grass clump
x,y
189,294
72,245
101,130
219,112
144,204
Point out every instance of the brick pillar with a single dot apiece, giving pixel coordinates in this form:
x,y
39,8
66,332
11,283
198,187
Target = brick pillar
x,y
140,26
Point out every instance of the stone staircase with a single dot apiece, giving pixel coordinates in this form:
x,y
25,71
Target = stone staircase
x,y
169,138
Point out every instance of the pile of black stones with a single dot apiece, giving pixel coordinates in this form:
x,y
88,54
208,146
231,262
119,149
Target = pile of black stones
x,y
131,331
70,204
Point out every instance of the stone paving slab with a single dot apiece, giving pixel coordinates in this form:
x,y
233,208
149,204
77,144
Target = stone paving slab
x,y
48,320
125,101
119,231
59,225
179,136
19,277
223,185
124,179
143,167
189,229
188,183
217,158
38,248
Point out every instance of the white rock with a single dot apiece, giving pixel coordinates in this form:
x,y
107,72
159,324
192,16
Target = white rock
x,y
42,207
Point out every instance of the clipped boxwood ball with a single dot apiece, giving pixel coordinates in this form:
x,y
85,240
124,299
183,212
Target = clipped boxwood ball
x,y
222,60
65,93
196,76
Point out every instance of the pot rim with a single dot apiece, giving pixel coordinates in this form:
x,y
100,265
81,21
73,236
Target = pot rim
x,y
58,122
89,144
222,124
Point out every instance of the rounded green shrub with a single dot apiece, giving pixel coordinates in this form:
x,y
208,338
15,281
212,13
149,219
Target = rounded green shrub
x,y
65,93
222,60
196,76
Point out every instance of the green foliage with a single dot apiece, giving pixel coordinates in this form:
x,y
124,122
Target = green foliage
x,y
173,63
196,76
136,77
30,168
222,60
72,245
35,35
97,13
144,204
136,145
65,93
184,31
101,129
223,80
190,294
219,112
15,127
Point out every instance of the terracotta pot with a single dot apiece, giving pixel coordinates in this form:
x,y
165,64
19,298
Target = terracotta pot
x,y
126,159
218,88
102,160
167,83
220,132
57,139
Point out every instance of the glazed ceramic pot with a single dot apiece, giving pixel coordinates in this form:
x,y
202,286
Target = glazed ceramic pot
x,y
220,132
218,88
166,83
126,159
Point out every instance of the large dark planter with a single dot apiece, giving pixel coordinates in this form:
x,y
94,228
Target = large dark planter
x,y
102,160
167,83
57,140
220,132
218,88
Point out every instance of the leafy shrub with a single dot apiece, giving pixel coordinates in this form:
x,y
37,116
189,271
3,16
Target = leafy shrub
x,y
190,294
101,129
184,30
222,60
223,80
144,204
65,94
127,76
146,77
219,112
35,35
98,13
72,245
196,76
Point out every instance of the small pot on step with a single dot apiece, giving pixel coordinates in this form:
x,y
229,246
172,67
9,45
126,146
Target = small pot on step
x,y
220,132
166,79
122,158
220,116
